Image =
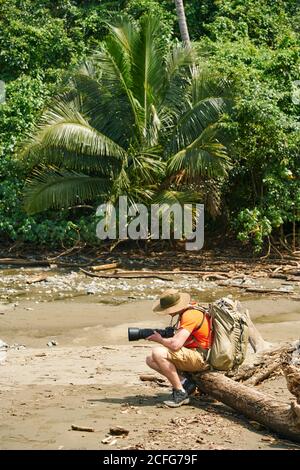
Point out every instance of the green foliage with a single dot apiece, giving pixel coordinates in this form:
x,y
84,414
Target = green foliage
x,y
263,132
138,8
254,227
253,44
262,21
39,42
138,116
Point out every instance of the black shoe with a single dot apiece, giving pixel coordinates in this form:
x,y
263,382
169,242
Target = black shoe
x,y
189,386
179,398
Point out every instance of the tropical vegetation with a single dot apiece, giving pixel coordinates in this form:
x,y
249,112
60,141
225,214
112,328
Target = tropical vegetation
x,y
80,125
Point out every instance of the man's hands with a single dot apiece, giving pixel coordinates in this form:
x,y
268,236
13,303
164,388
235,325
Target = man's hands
x,y
156,337
174,343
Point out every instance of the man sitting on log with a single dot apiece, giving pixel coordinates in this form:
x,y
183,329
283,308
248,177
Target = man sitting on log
x,y
188,349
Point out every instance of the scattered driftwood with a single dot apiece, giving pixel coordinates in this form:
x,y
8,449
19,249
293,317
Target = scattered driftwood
x,y
39,278
104,267
294,272
293,278
151,378
258,290
74,427
132,274
23,262
38,263
278,276
262,290
269,371
207,273
266,365
110,440
118,431
283,418
127,275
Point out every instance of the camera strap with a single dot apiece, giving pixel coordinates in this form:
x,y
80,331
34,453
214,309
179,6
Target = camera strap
x,y
177,322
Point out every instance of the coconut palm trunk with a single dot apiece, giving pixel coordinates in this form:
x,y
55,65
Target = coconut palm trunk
x,y
182,22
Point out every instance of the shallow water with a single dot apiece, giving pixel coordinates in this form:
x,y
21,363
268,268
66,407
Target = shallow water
x,y
65,284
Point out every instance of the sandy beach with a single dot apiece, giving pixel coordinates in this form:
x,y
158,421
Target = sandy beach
x,y
91,378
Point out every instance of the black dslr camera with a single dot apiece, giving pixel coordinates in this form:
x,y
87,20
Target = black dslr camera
x,y
134,334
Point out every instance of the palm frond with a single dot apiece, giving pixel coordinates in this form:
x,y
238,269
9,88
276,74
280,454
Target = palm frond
x,y
64,128
109,112
193,122
90,164
146,167
148,72
116,78
171,197
55,188
205,156
207,84
178,78
126,34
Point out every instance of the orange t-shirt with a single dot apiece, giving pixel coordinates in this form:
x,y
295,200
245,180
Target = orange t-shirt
x,y
190,320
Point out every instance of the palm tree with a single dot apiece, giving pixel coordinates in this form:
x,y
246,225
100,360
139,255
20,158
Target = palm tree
x,y
182,22
136,121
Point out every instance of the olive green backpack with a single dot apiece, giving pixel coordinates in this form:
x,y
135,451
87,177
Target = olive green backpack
x,y
230,334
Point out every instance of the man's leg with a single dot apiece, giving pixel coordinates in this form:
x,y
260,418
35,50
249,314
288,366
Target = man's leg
x,y
152,364
159,362
186,383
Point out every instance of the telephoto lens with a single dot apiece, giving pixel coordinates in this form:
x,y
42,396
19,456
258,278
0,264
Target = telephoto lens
x,y
134,334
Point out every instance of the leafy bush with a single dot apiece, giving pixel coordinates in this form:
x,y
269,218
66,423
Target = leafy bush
x,y
253,226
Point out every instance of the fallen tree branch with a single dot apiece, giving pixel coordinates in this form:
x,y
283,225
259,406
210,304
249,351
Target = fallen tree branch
x,y
276,415
74,427
177,271
23,262
38,263
264,361
152,378
259,378
268,291
68,251
125,275
38,278
260,290
104,267
283,418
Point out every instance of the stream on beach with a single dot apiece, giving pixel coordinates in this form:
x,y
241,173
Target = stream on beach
x,y
67,304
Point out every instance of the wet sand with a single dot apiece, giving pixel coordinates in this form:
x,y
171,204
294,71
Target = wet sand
x,y
91,378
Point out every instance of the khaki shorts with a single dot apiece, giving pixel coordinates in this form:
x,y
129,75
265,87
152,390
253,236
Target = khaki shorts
x,y
189,360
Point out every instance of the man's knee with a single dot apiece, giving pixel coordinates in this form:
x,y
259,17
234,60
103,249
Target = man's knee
x,y
159,354
149,361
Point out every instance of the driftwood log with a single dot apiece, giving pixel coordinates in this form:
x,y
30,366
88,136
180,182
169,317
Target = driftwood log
x,y
104,267
283,418
127,275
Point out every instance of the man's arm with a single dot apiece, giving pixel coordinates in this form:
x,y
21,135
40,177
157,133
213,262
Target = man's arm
x,y
175,343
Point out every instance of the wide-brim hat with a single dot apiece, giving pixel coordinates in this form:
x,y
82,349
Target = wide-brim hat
x,y
171,301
